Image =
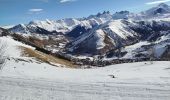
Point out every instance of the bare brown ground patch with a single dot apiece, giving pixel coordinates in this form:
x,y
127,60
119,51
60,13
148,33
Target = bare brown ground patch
x,y
28,52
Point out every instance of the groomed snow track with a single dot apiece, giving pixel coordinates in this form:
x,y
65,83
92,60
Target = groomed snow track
x,y
25,89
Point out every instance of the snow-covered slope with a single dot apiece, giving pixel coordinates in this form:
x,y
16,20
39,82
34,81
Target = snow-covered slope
x,y
138,81
19,66
12,47
104,38
25,78
20,28
153,40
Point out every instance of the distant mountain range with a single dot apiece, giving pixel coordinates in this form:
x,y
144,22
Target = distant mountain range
x,y
122,35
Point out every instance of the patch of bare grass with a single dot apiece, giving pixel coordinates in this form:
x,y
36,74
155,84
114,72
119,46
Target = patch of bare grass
x,y
28,52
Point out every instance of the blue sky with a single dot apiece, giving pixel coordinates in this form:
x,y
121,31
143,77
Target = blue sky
x,y
23,11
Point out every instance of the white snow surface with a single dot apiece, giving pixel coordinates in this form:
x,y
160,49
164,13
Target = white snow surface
x,y
12,46
120,29
27,79
100,35
144,71
137,81
131,50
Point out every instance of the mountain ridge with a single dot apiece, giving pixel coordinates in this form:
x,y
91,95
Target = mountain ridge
x,y
104,34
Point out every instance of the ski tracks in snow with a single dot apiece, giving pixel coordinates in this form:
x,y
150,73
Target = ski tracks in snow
x,y
29,89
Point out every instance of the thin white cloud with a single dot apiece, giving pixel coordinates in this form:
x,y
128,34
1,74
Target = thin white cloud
x,y
157,2
35,11
64,1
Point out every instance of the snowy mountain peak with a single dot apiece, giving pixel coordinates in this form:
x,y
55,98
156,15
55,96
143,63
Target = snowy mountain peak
x,y
22,25
104,15
160,9
163,5
121,15
123,12
20,28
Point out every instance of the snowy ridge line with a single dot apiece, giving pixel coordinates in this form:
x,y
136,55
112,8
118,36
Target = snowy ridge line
x,y
66,25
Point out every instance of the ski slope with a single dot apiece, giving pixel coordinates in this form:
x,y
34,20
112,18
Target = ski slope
x,y
24,89
133,82
24,78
